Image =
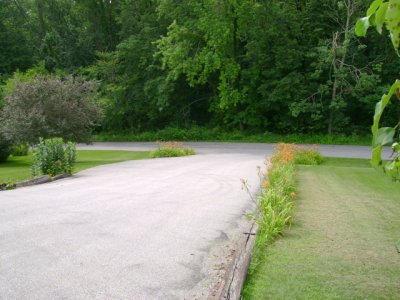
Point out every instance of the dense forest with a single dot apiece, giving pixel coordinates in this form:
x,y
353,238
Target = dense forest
x,y
255,65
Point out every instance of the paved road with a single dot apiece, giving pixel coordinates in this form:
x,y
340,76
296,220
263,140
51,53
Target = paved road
x,y
149,229
259,149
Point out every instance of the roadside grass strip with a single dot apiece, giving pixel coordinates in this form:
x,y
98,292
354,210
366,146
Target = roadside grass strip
x,y
343,240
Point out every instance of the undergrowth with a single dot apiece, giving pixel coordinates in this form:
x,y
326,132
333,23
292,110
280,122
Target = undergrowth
x,y
171,149
216,134
20,150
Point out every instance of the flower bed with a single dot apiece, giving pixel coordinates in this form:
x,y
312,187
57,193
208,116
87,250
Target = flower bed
x,y
274,205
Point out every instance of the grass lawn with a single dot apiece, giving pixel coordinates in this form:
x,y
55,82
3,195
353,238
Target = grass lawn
x,y
18,168
342,243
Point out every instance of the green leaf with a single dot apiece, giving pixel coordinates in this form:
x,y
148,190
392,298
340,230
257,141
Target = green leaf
x,y
390,166
384,136
380,16
362,26
396,147
392,169
373,7
381,105
392,18
376,159
381,135
395,38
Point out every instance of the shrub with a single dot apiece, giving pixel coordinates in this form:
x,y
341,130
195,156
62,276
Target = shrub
x,y
299,154
308,156
5,148
20,150
171,149
50,107
53,156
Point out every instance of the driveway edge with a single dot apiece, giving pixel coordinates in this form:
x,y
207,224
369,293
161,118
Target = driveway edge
x,y
236,272
34,181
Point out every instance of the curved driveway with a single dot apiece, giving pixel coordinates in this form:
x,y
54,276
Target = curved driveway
x,y
149,229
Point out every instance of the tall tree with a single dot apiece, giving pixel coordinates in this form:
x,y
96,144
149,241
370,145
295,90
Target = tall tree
x,y
15,51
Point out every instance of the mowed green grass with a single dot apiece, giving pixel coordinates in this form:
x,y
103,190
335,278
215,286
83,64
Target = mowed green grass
x,y
19,168
344,240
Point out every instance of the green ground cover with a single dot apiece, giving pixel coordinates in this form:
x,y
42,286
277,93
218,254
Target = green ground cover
x,y
343,243
18,168
210,135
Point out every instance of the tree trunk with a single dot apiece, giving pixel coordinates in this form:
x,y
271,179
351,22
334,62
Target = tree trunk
x,y
331,112
338,63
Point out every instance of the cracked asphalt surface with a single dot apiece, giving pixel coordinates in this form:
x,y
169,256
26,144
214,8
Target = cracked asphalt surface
x,y
148,229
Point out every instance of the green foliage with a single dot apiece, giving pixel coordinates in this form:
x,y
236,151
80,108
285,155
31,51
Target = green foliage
x,y
15,49
20,150
274,205
386,13
171,149
308,156
53,157
134,90
276,202
5,148
382,13
214,32
196,133
278,66
47,107
10,84
170,152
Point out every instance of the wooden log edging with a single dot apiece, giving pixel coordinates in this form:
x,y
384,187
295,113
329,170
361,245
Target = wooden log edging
x,y
231,287
34,181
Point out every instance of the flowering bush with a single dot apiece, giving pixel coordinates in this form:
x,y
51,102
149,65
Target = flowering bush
x,y
301,155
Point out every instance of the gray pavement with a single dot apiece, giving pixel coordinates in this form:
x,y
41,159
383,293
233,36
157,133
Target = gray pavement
x,y
260,149
149,229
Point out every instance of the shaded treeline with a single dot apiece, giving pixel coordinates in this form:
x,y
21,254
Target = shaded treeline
x,y
279,66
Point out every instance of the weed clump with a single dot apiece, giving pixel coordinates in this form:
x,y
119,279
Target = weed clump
x,y
171,149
